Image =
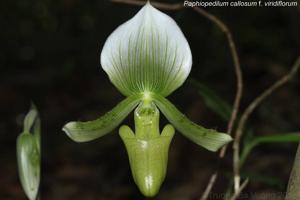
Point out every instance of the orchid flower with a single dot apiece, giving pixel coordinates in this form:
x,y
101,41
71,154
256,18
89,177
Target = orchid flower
x,y
147,58
29,154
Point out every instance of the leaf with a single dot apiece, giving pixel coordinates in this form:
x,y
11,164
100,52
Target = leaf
x,y
280,138
148,53
87,131
212,100
264,178
207,138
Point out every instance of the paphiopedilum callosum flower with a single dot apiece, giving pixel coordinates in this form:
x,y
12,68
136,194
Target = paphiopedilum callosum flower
x,y
147,58
29,154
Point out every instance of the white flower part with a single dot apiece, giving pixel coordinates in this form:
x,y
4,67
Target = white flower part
x,y
148,53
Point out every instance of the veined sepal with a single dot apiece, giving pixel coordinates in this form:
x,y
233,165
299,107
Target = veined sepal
x,y
147,149
147,53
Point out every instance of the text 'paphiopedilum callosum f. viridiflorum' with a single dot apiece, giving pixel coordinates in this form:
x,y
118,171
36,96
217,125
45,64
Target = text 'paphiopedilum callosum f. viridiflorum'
x,y
147,58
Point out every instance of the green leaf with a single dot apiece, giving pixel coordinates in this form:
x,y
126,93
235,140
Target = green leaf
x,y
207,138
212,100
87,131
264,178
280,138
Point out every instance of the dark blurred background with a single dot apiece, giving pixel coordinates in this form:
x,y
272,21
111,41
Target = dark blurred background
x,y
50,54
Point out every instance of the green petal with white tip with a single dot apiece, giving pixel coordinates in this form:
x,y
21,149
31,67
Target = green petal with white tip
x,y
87,131
147,53
207,138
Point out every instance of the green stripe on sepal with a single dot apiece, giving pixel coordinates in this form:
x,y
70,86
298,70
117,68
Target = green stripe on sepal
x,y
87,131
207,138
147,53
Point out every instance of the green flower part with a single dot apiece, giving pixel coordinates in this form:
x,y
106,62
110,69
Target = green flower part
x,y
147,148
29,154
147,58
